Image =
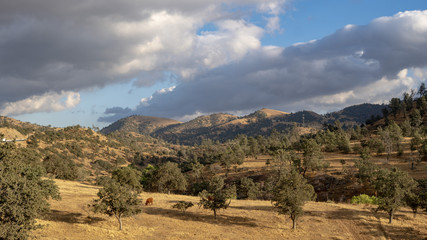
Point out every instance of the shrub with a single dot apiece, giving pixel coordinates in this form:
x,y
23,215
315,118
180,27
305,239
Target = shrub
x,y
61,167
102,165
364,199
183,205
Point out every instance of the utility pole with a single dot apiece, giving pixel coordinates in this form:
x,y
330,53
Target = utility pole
x,y
303,119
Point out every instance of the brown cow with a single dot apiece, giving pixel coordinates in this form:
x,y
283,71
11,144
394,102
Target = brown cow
x,y
149,201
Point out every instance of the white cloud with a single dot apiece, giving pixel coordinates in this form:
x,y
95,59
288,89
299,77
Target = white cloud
x,y
273,24
377,92
370,63
48,102
54,46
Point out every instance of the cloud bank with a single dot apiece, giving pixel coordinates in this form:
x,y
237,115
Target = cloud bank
x,y
355,64
53,49
50,46
49,102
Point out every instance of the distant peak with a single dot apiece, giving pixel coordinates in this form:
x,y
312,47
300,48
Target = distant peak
x,y
272,112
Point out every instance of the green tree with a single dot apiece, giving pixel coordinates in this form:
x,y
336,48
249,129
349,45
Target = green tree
x,y
61,167
408,99
415,143
253,147
247,189
290,194
215,197
422,91
118,201
170,178
377,144
366,169
391,137
392,186
422,105
283,159
23,193
415,118
128,176
148,175
312,156
395,106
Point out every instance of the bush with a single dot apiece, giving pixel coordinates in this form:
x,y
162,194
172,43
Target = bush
x,y
61,167
102,165
247,189
183,205
364,199
24,194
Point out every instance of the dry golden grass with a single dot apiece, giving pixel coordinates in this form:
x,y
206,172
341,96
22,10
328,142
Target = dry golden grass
x,y
10,134
244,219
272,112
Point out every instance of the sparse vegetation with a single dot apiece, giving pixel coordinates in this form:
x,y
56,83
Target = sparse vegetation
x,y
364,199
290,194
183,205
339,162
216,197
117,200
392,187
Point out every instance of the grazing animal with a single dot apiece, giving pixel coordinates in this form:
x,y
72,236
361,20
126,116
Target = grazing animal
x,y
149,201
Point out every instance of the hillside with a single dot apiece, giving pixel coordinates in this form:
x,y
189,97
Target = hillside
x,y
199,123
244,219
221,126
78,153
357,113
139,124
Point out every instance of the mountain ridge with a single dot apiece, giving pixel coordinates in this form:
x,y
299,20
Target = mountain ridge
x,y
224,126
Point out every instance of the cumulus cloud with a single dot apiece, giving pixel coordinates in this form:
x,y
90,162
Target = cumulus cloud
x,y
49,102
57,45
376,92
335,69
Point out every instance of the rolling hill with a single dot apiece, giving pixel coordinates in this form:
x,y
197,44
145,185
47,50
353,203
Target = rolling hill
x,y
139,124
223,126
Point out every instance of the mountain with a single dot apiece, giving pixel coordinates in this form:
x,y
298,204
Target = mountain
x,y
223,126
356,114
78,153
139,124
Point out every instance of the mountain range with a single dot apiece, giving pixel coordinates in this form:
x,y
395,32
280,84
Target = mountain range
x,y
224,126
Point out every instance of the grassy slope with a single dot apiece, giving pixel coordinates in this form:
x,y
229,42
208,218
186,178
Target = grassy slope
x,y
244,219
70,218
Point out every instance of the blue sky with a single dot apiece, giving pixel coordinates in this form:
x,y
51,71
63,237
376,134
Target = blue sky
x,y
91,64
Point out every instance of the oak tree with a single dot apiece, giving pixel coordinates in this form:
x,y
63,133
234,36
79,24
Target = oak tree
x,y
290,194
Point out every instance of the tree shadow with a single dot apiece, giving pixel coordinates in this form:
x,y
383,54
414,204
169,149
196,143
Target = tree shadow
x,y
256,208
373,226
222,219
70,217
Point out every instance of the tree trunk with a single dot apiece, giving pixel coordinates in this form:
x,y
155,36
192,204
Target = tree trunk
x,y
120,222
390,220
214,213
169,192
294,222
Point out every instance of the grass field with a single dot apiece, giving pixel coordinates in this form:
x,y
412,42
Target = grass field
x,y
244,219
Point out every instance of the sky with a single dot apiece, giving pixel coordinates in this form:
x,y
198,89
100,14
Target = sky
x,y
91,63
